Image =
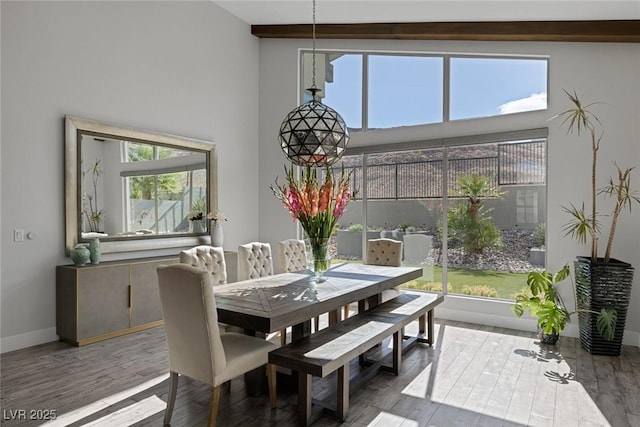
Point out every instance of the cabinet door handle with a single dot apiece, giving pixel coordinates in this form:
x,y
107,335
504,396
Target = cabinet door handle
x,y
130,296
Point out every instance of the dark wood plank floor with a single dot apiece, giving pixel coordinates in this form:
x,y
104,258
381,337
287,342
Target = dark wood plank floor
x,y
474,376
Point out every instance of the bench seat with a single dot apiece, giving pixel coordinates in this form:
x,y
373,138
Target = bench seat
x,y
332,348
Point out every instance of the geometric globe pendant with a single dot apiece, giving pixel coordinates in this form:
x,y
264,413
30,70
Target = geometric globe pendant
x,y
313,135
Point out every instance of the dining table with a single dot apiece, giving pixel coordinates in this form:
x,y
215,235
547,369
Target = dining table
x,y
272,303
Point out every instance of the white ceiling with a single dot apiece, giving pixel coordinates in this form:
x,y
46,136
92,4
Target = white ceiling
x,y
367,11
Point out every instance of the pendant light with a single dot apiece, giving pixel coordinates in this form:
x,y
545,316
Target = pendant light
x,y
313,134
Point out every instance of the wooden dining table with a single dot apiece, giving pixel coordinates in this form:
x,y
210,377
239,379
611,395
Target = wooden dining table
x,y
273,303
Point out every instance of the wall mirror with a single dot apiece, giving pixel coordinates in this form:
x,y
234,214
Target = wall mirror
x,y
136,190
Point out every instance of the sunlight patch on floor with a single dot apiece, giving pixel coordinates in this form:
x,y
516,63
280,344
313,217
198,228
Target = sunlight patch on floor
x,y
80,413
419,386
130,415
385,419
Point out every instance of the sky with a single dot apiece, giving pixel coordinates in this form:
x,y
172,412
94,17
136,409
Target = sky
x,y
408,90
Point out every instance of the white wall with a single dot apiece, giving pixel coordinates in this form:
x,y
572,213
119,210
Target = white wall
x,y
186,68
598,71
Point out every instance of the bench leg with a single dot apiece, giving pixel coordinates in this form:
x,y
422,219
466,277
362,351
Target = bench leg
x,y
342,406
430,327
425,326
397,352
362,306
304,398
422,325
334,317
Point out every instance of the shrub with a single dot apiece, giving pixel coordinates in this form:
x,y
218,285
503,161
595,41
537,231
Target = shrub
x,y
480,290
356,227
539,235
424,286
523,291
474,235
404,226
469,221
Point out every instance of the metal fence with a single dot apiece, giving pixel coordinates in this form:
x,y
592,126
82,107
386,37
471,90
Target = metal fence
x,y
521,163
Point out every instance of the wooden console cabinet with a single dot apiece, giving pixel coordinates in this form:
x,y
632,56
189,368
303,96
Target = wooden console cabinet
x,y
106,300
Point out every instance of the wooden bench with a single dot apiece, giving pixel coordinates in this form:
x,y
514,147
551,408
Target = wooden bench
x,y
333,348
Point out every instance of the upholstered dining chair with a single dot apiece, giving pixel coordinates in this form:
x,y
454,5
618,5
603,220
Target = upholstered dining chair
x,y
197,349
207,258
254,261
210,259
292,256
387,252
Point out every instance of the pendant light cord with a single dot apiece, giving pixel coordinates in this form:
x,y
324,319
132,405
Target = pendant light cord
x,y
313,37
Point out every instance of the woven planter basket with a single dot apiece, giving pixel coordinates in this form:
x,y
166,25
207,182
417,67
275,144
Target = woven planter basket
x,y
598,286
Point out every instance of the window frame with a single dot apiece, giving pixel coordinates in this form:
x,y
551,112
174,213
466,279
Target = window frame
x,y
446,79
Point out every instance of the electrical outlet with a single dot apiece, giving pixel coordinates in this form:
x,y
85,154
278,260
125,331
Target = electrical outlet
x,y
18,235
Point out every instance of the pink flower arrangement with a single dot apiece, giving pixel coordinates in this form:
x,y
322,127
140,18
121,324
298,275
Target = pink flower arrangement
x,y
316,204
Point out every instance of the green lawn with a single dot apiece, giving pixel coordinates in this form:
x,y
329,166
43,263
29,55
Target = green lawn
x,y
505,284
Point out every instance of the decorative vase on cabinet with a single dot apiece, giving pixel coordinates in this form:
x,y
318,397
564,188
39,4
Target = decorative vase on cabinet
x,y
80,255
217,236
94,251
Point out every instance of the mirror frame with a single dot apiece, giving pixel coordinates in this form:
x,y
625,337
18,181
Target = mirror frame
x,y
75,128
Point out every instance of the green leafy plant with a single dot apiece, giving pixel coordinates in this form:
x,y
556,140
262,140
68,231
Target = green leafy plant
x,y
469,221
90,207
542,299
404,226
584,225
539,235
355,227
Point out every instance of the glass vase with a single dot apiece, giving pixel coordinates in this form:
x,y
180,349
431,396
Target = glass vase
x,y
197,226
318,257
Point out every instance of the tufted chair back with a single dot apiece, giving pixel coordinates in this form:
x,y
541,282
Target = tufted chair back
x,y
207,258
254,260
386,252
292,256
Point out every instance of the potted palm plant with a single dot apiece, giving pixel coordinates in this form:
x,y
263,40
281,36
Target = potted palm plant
x,y
602,282
542,299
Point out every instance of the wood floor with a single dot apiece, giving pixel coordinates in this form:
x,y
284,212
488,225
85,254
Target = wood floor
x,y
474,376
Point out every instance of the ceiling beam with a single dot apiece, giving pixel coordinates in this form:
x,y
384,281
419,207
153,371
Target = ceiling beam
x,y
619,31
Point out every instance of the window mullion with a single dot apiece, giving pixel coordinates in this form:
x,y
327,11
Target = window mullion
x,y
446,93
365,92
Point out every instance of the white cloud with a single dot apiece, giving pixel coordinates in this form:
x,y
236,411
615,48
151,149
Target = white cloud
x,y
537,101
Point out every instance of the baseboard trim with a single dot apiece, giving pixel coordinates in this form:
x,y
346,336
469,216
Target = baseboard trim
x,y
630,338
29,339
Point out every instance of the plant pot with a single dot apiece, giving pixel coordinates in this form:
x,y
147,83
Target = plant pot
x,y
549,339
349,243
598,286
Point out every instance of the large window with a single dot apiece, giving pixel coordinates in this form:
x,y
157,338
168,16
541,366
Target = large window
x,y
470,210
382,91
468,214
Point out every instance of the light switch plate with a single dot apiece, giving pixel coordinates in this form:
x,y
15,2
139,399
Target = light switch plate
x,y
18,235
